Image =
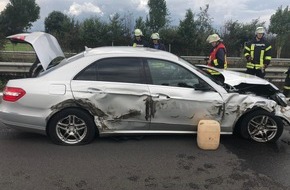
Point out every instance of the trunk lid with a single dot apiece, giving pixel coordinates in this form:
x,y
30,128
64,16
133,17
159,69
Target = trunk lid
x,y
45,45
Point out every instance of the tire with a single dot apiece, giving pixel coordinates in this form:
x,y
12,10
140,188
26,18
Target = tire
x,y
71,127
261,126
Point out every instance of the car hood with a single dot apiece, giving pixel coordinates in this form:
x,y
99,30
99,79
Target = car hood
x,y
235,78
45,45
238,78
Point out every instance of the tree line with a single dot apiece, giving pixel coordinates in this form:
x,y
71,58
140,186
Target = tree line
x,y
187,38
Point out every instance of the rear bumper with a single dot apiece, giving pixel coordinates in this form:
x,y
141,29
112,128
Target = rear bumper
x,y
23,122
22,127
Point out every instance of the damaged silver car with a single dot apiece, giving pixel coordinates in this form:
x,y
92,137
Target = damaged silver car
x,y
137,91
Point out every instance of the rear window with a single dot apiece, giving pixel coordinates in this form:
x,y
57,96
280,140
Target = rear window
x,y
59,62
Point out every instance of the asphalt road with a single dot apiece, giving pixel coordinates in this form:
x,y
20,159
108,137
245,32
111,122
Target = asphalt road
x,y
30,161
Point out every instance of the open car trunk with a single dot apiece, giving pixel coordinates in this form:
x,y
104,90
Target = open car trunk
x,y
45,46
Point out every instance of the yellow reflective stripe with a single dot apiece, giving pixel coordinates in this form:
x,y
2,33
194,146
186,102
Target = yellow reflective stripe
x,y
247,48
246,54
250,65
252,50
213,72
268,48
268,58
261,59
215,62
287,87
226,62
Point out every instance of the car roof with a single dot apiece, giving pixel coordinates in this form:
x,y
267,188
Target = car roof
x,y
113,51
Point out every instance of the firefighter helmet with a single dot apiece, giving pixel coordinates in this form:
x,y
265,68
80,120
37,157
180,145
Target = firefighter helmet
x,y
260,30
213,38
138,32
155,36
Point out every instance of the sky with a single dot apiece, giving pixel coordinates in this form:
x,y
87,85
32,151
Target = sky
x,y
243,11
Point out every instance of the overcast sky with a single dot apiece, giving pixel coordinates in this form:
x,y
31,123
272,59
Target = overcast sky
x,y
220,10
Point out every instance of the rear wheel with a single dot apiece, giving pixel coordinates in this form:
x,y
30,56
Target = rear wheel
x,y
72,127
261,126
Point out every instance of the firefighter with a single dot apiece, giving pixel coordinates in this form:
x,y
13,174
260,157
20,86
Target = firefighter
x,y
286,89
138,39
156,44
258,54
218,53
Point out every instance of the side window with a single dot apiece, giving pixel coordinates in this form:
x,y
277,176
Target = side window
x,y
90,73
120,70
127,70
171,74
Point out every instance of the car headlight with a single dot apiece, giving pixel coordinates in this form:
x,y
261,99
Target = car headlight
x,y
281,99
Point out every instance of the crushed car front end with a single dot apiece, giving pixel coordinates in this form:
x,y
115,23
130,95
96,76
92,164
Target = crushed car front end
x,y
247,92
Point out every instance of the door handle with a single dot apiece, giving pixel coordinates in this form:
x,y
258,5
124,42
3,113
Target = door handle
x,y
160,96
154,95
95,90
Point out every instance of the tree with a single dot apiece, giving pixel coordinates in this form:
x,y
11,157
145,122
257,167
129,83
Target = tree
x,y
18,16
94,32
119,33
194,30
158,13
128,26
280,25
187,32
169,36
72,38
234,38
56,23
204,28
2,41
61,26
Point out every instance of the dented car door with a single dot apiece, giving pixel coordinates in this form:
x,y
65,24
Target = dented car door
x,y
180,99
115,90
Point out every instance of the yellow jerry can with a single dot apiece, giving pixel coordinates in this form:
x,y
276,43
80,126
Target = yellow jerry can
x,y
208,134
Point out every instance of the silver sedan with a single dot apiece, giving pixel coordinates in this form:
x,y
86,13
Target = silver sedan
x,y
132,91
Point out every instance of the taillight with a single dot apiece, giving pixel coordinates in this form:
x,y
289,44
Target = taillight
x,y
12,94
19,38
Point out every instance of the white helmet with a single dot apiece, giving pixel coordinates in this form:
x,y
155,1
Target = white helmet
x,y
138,32
260,30
155,36
213,38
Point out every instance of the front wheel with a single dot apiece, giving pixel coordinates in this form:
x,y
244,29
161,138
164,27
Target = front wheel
x,y
262,126
72,127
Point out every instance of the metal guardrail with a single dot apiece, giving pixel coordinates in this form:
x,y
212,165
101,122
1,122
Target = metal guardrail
x,y
14,67
238,62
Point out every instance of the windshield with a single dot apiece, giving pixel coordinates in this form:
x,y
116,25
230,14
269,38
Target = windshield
x,y
218,78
